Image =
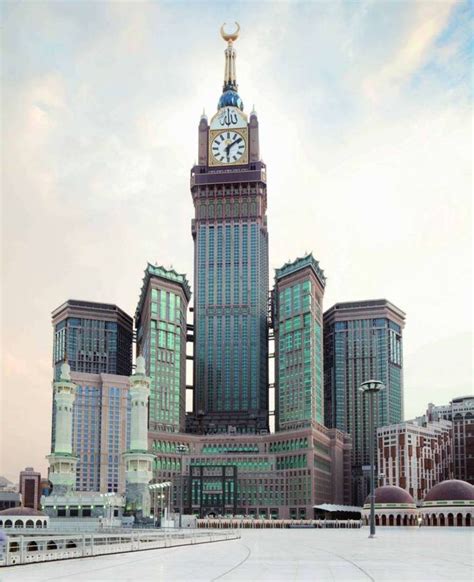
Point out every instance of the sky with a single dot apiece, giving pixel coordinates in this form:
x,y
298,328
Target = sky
x,y
365,126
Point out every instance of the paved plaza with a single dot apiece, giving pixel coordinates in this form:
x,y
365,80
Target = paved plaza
x,y
397,554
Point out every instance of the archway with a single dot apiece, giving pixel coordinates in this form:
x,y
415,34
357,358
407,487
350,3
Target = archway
x,y
405,520
1,523
30,523
71,544
390,520
39,523
459,519
19,523
51,545
428,520
377,520
450,519
8,523
32,547
434,519
468,519
442,520
399,520
384,520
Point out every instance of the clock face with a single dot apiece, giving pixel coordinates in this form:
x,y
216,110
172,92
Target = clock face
x,y
228,147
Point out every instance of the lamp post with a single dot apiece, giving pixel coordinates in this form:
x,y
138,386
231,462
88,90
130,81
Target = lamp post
x,y
182,450
371,388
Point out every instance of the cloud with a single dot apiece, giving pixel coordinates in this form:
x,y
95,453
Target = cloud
x,y
101,107
429,19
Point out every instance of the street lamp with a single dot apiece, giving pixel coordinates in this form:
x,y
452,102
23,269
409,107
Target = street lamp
x,y
182,450
371,388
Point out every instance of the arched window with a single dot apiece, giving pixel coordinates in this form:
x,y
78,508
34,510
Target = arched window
x,y
441,519
399,520
30,523
384,520
19,523
32,547
390,520
51,545
434,520
39,523
14,547
459,520
8,523
450,519
468,520
71,544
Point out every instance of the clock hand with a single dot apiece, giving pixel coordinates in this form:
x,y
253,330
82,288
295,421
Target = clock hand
x,y
227,149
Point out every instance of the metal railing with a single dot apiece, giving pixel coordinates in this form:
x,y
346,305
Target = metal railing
x,y
45,546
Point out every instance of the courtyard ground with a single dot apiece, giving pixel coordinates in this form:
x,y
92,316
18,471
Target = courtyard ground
x,y
396,554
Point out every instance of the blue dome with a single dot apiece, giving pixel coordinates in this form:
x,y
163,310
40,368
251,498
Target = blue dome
x,y
230,98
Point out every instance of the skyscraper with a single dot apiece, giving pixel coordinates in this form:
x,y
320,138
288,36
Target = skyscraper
x,y
229,192
94,337
96,340
161,339
298,324
362,340
231,464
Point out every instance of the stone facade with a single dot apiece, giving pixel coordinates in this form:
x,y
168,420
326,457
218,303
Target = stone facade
x,y
281,475
414,457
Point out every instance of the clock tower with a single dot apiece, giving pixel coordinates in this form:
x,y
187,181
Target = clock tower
x,y
229,192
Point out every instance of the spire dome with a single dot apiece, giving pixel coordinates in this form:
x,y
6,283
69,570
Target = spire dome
x,y
230,97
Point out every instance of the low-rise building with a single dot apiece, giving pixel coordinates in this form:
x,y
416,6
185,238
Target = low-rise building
x,y
281,475
450,503
393,506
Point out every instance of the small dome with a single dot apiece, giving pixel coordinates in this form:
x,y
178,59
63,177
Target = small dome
x,y
391,494
230,98
451,490
19,511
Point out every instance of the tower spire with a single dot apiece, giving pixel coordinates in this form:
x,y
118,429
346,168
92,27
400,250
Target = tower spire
x,y
229,95
230,77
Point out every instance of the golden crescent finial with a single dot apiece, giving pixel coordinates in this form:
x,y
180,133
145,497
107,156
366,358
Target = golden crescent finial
x,y
230,36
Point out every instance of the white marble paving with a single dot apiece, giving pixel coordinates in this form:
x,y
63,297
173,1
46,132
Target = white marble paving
x,y
397,554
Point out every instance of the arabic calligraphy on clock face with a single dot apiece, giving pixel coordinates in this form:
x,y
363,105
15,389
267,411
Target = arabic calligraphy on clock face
x,y
229,118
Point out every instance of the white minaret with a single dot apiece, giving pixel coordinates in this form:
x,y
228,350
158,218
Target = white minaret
x,y
138,462
62,462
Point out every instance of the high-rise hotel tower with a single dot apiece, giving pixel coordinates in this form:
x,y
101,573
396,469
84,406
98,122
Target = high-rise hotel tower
x,y
229,192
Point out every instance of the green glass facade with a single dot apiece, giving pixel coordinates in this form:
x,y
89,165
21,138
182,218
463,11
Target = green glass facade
x,y
161,339
298,298
362,341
